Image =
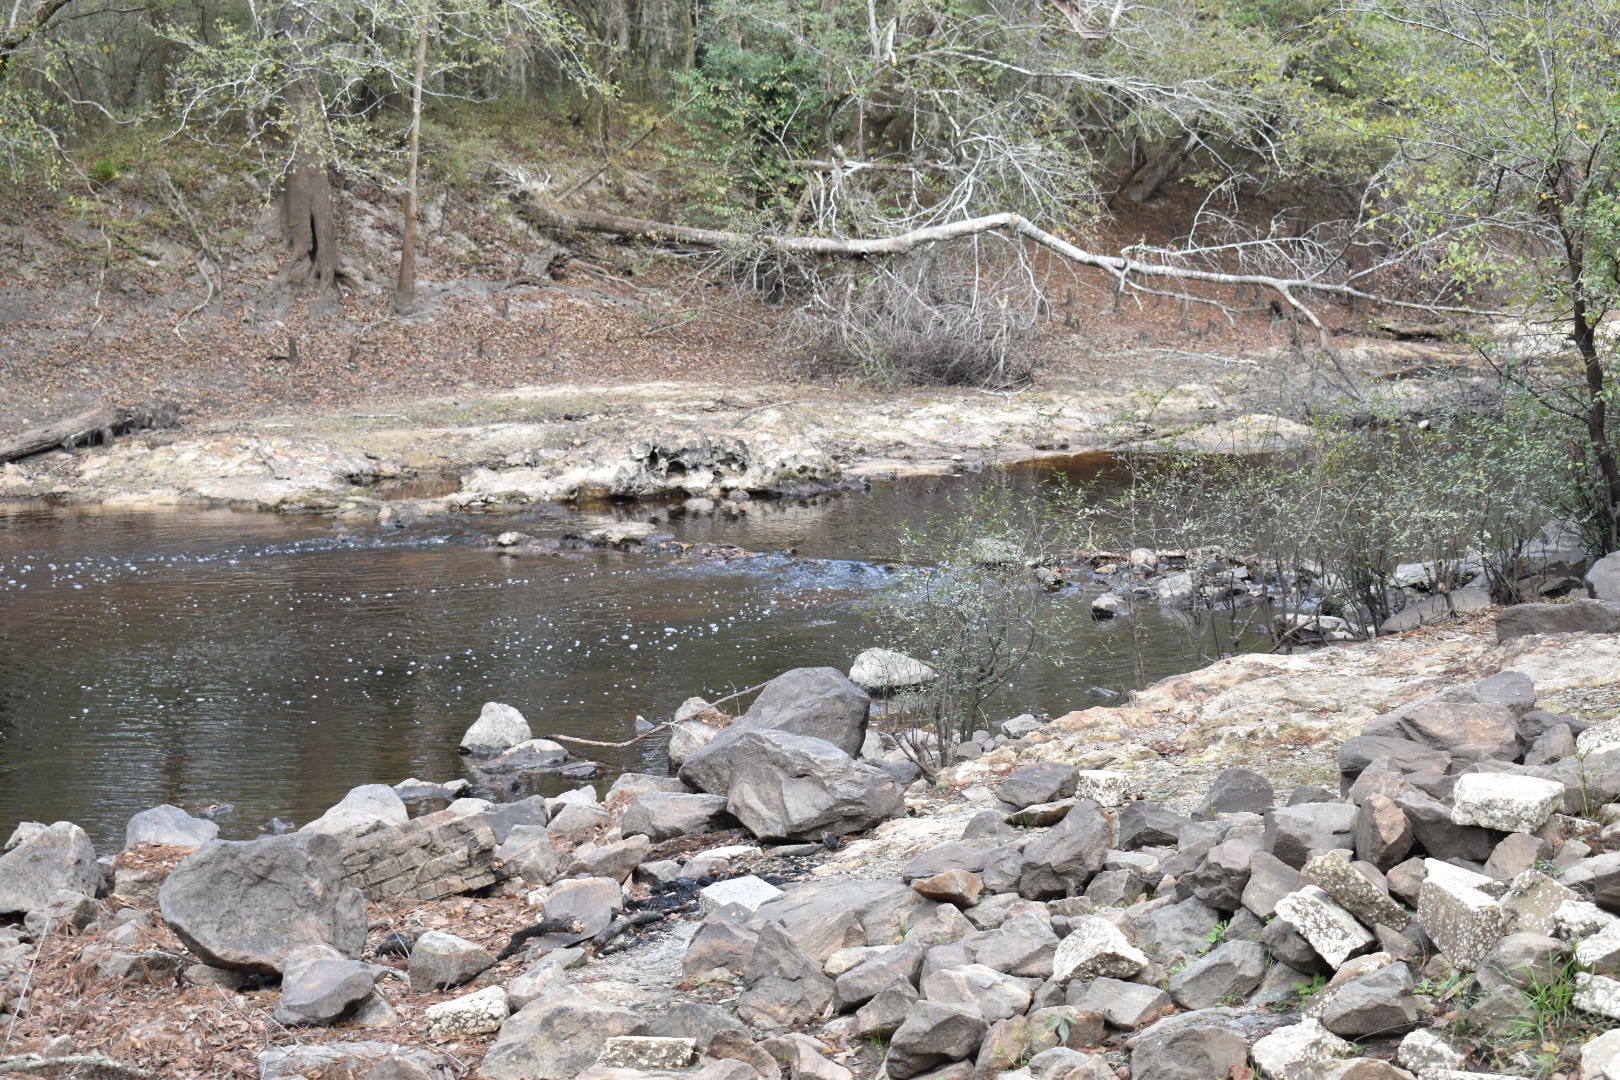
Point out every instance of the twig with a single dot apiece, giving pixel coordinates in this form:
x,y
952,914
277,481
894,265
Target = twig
x,y
611,745
623,923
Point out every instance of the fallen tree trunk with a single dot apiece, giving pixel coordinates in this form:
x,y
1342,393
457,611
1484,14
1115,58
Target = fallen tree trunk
x,y
1121,268
101,424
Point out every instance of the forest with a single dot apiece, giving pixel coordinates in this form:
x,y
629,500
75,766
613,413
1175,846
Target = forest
x,y
902,177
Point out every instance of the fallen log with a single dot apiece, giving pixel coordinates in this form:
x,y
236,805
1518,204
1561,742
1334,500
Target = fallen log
x,y
99,425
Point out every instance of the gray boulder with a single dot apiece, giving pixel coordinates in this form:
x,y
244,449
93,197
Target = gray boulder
x,y
1061,862
320,984
498,727
1579,617
786,988
1293,832
170,826
556,1037
788,787
815,702
56,859
364,806
1038,782
1195,1049
245,904
529,853
440,961
590,902
1228,972
1239,789
1603,580
936,1033
661,816
1378,1003
1146,824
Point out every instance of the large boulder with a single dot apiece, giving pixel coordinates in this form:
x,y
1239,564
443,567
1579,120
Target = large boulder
x,y
170,826
663,816
817,702
60,858
786,988
498,727
245,904
1578,617
556,1037
362,807
883,671
1061,862
788,786
1603,580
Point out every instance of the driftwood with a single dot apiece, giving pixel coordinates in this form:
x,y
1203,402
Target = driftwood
x,y
99,425
615,745
75,1064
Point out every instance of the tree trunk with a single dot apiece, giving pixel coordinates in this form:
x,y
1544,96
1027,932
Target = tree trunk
x,y
101,424
1607,496
405,289
306,193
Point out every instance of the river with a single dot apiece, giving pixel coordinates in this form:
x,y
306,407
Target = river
x,y
216,656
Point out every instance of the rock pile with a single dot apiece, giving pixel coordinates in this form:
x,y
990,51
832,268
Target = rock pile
x,y
1414,922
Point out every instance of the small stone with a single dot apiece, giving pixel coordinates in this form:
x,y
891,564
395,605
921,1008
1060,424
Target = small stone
x,y
1332,931
882,1016
1424,1050
440,961
1331,871
1238,790
1095,947
1125,1005
1290,1049
750,892
319,984
1504,801
1600,953
1465,923
1597,994
646,1052
1378,1002
478,1013
1191,1050
959,887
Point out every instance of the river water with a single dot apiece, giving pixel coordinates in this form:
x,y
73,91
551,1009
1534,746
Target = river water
x,y
214,656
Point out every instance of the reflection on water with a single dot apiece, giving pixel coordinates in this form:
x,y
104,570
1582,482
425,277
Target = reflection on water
x,y
213,656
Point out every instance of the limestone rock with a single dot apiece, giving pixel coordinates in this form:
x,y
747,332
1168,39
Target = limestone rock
x,y
1096,948
1464,922
994,994
1187,1051
498,728
1505,802
170,826
440,961
1288,1051
748,891
1332,872
1293,832
786,988
51,860
647,1052
556,1038
477,1013
1332,931
883,671
1227,972
245,904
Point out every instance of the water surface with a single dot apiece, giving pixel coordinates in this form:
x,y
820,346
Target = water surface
x,y
209,656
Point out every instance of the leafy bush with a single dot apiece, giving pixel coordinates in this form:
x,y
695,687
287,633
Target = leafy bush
x,y
971,603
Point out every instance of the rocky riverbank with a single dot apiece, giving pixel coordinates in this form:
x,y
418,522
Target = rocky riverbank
x,y
1378,860
486,450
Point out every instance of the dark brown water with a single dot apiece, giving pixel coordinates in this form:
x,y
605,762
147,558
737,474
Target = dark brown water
x,y
198,657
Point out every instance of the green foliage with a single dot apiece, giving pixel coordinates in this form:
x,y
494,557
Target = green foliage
x,y
968,603
1331,519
